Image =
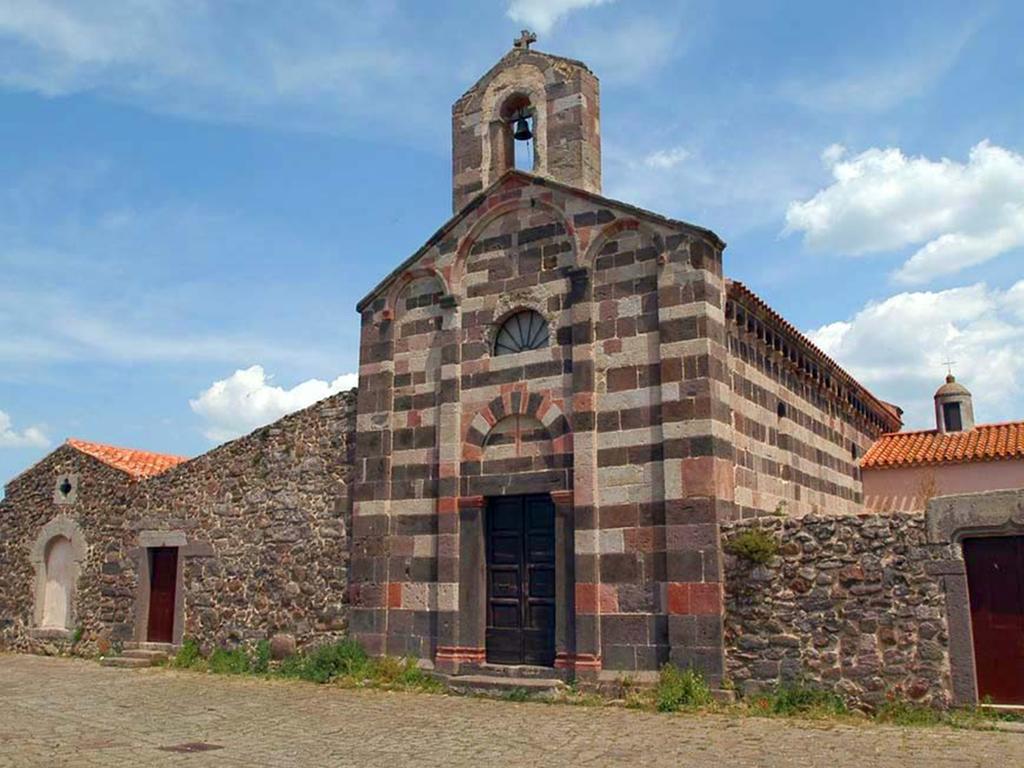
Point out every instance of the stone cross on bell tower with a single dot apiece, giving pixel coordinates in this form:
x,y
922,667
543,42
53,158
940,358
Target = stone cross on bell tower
x,y
525,39
560,99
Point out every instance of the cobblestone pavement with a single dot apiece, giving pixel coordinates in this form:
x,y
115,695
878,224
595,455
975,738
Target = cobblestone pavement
x,y
56,712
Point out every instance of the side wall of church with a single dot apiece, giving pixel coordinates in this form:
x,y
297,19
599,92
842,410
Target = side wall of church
x,y
32,513
799,428
261,524
634,442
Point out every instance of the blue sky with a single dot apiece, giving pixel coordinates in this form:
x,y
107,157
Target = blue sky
x,y
195,193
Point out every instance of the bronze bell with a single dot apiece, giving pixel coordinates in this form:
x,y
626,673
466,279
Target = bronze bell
x,y
522,132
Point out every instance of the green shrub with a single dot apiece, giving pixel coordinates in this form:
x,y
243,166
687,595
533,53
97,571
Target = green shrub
x,y
225,662
801,699
680,689
754,545
188,656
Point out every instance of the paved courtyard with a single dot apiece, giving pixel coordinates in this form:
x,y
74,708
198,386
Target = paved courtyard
x,y
57,712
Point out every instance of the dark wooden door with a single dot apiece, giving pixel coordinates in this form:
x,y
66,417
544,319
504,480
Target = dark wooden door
x,y
163,577
521,580
995,579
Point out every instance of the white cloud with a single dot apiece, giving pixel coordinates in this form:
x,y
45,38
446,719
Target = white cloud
x,y
666,158
31,437
897,348
319,66
959,214
543,15
247,399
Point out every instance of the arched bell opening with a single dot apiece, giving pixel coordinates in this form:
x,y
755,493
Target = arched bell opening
x,y
516,131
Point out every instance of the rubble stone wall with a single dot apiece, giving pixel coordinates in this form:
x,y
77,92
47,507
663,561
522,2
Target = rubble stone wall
x,y
262,523
848,604
268,517
101,599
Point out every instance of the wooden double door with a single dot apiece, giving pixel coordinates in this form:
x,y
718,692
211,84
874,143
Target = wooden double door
x,y
521,580
995,581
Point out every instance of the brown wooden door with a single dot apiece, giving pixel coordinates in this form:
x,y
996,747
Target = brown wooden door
x,y
163,577
995,579
521,580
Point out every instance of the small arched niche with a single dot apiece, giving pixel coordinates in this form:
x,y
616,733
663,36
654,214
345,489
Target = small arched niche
x,y
57,554
59,564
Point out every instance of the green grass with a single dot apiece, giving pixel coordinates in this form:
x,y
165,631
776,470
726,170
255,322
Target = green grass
x,y
188,656
233,662
344,662
346,658
900,712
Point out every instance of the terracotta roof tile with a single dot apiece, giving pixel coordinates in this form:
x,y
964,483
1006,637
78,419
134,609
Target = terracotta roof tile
x,y
986,442
135,463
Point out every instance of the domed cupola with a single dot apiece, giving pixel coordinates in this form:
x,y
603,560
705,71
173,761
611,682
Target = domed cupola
x,y
954,411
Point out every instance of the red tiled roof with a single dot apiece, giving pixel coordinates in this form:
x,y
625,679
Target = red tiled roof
x,y
135,463
986,442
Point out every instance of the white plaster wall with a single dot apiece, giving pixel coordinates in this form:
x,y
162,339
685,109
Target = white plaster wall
x,y
908,489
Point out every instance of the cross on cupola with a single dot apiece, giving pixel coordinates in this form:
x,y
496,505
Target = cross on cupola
x,y
525,39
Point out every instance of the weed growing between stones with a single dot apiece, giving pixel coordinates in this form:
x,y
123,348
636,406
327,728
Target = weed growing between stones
x,y
680,689
754,545
800,699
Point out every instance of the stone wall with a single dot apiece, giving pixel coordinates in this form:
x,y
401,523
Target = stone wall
x,y
268,515
261,524
101,607
849,604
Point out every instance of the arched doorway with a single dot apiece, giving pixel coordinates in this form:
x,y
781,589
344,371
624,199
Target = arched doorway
x,y
60,564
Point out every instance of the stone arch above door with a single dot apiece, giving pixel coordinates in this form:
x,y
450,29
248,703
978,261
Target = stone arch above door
x,y
59,530
519,443
518,402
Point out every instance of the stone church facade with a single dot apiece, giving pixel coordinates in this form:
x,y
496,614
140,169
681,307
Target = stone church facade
x,y
566,414
666,400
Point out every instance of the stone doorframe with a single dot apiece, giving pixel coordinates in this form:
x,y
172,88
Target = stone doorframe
x,y
61,525
471,650
147,540
949,520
